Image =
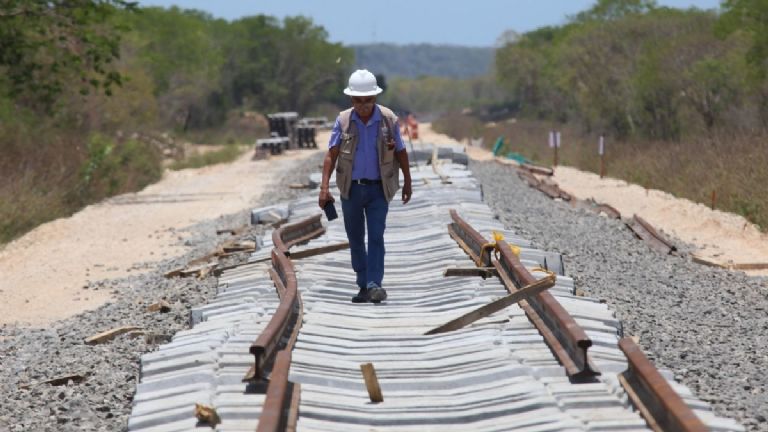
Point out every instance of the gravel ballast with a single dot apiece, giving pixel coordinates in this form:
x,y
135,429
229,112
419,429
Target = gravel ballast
x,y
102,401
707,325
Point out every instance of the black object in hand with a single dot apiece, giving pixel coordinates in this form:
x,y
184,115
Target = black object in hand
x,y
330,211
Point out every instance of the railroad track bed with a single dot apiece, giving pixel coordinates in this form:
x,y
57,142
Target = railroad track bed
x,y
500,372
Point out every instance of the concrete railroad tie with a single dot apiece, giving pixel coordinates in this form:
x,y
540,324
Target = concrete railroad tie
x,y
496,374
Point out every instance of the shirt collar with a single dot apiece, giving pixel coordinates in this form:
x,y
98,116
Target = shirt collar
x,y
374,118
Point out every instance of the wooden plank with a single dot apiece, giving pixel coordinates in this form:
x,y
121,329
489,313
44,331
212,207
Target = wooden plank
x,y
245,245
109,335
495,306
371,382
730,266
748,266
233,231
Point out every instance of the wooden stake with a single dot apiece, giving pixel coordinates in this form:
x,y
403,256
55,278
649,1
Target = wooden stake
x,y
371,382
554,164
601,152
495,306
714,198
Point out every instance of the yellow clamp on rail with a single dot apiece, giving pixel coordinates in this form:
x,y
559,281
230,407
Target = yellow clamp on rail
x,y
497,236
543,270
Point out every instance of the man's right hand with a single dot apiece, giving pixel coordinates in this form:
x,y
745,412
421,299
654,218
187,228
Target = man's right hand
x,y
324,198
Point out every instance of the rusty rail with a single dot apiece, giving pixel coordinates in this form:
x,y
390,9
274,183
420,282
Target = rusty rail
x,y
284,277
282,396
661,407
563,335
275,415
648,233
473,243
266,345
290,235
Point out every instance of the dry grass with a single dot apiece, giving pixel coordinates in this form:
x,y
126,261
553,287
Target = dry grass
x,y
226,153
734,165
47,173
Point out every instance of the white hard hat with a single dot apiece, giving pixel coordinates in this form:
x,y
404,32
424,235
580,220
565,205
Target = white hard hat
x,y
362,83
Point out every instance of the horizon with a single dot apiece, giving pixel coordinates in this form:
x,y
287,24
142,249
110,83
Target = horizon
x,y
423,22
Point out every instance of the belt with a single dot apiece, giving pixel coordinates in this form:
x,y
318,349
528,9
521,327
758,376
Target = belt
x,y
366,181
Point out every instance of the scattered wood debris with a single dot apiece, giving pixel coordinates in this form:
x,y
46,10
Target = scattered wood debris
x,y
58,381
109,335
730,265
207,415
242,246
233,231
160,306
371,382
203,266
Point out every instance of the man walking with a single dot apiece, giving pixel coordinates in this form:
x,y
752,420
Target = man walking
x,y
366,142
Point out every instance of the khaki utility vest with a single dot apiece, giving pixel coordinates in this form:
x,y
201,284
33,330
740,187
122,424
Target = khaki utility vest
x,y
390,173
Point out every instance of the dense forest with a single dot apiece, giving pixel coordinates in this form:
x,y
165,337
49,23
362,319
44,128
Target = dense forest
x,y
89,92
680,95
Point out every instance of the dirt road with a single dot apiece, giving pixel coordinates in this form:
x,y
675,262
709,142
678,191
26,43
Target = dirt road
x,y
45,272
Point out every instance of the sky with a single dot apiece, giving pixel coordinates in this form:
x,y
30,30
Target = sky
x,y
474,23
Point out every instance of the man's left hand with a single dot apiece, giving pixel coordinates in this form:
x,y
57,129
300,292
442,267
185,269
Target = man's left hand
x,y
406,192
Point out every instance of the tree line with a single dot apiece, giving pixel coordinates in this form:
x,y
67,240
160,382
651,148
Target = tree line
x,y
82,84
632,68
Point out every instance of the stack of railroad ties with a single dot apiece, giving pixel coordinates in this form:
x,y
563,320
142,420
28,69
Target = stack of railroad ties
x,y
284,354
288,131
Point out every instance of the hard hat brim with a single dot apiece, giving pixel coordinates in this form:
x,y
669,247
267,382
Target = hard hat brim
x,y
350,92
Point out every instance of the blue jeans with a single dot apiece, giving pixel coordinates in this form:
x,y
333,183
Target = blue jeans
x,y
366,206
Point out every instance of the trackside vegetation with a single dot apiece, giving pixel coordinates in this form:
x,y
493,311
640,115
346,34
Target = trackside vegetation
x,y
84,84
681,97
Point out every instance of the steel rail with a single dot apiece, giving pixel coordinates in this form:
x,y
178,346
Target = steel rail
x,y
567,340
661,407
288,236
279,411
266,345
648,233
274,413
572,341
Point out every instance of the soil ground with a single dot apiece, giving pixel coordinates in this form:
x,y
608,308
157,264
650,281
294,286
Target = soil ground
x,y
46,273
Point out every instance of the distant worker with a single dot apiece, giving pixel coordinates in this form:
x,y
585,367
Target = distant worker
x,y
413,126
367,137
